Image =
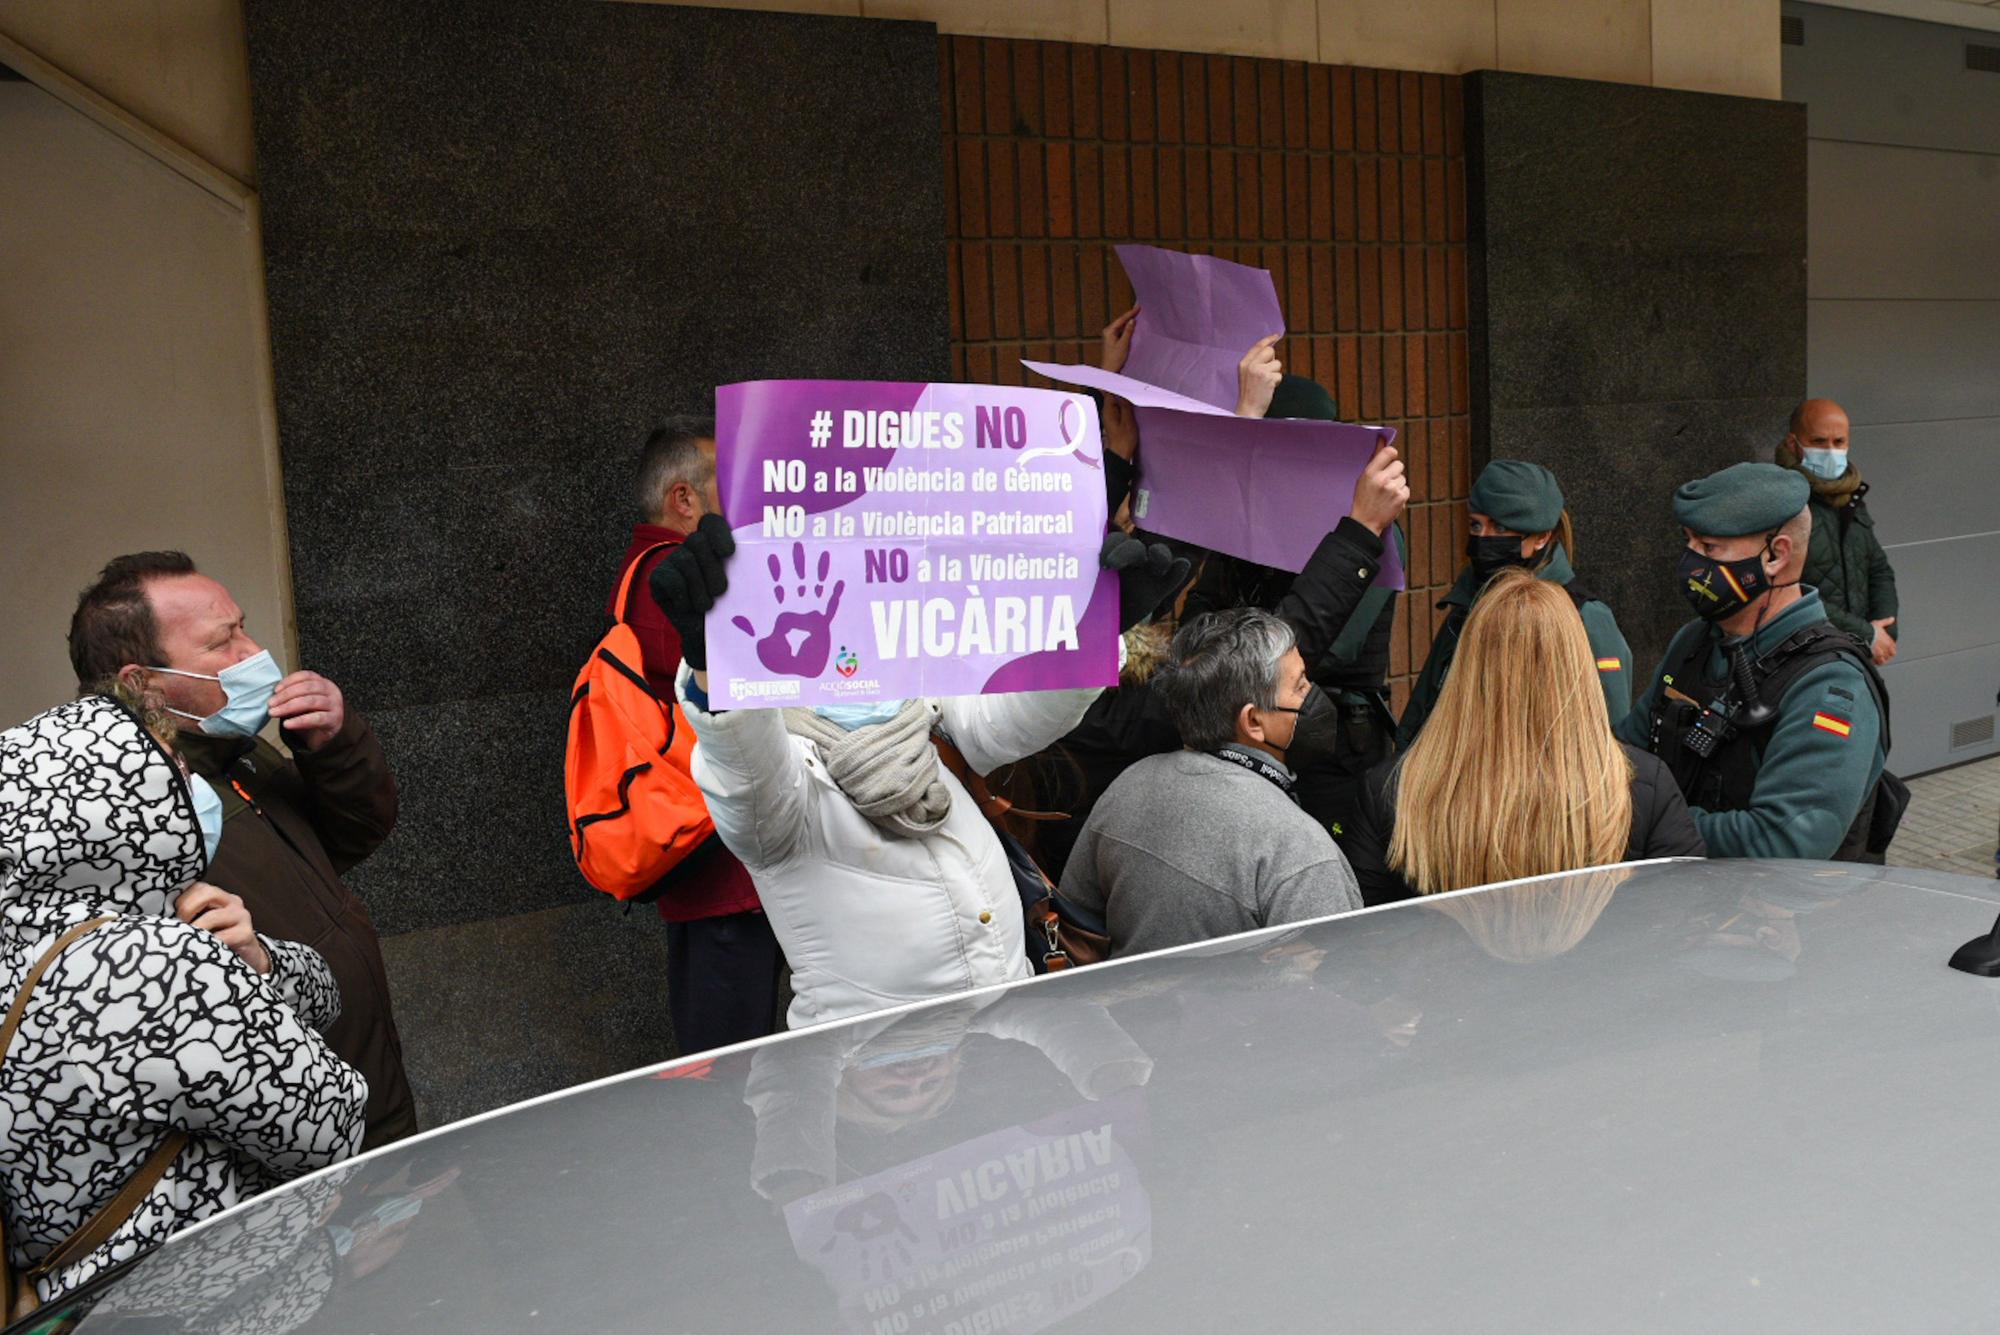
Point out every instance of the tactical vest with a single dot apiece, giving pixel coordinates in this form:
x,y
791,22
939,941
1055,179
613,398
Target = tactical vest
x,y
1724,780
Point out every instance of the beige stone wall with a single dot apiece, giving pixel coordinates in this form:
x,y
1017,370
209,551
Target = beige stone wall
x,y
178,66
1711,46
135,402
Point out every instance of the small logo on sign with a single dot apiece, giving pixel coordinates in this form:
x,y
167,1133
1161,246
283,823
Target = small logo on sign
x,y
845,663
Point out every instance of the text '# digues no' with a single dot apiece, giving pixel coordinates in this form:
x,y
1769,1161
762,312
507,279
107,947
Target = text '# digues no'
x,y
993,428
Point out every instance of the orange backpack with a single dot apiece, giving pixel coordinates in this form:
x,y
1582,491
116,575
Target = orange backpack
x,y
634,810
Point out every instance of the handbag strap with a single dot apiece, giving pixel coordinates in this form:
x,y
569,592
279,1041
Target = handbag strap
x,y
105,1221
991,805
1040,920
20,1005
97,1230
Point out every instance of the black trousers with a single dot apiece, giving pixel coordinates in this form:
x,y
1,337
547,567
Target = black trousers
x,y
726,981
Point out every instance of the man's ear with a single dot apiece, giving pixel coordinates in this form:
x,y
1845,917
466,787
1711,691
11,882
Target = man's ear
x,y
1249,724
134,677
1780,556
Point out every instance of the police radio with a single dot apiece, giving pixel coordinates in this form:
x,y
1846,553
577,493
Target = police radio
x,y
1722,717
1710,730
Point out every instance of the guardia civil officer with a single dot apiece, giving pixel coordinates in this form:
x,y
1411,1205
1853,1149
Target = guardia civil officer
x,y
1517,519
1771,718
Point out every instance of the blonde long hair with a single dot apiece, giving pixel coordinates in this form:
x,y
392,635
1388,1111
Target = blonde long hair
x,y
1516,772
1565,537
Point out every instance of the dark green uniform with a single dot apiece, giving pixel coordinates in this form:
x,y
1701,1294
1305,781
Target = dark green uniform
x,y
1607,646
1802,783
1818,765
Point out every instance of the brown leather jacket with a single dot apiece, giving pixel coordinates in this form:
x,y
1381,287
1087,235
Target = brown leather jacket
x,y
305,821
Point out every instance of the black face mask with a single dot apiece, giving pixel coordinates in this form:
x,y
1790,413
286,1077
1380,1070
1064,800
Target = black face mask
x,y
1490,556
1718,590
1315,733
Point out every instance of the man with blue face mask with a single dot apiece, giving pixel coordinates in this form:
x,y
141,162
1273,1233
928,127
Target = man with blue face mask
x,y
1845,560
290,824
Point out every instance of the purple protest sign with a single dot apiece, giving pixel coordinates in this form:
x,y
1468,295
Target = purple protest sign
x,y
1138,393
901,540
1264,489
1198,315
1261,489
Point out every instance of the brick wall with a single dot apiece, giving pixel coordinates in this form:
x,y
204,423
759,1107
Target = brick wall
x,y
1347,184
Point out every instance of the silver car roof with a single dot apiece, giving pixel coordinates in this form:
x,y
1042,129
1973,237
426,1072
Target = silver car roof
x,y
1720,1095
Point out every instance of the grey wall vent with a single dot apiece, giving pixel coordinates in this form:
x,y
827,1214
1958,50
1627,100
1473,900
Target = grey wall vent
x,y
1972,732
1986,58
1792,30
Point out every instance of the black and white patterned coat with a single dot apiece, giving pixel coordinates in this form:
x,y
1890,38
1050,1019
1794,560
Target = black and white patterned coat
x,y
145,1024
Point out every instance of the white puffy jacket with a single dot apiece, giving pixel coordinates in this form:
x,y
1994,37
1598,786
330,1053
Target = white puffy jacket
x,y
869,919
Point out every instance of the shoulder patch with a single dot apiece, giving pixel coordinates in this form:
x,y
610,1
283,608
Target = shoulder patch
x,y
1833,723
1610,665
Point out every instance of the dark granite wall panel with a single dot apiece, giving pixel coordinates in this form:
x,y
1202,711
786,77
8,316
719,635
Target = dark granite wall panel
x,y
1638,304
497,1011
502,239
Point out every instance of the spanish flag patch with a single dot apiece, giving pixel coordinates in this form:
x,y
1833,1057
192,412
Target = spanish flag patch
x,y
1610,665
1826,722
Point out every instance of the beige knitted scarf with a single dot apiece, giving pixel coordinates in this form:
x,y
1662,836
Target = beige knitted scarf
x,y
888,770
1835,493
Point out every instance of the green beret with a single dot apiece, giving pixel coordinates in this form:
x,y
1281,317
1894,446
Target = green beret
x,y
1741,499
1297,396
1518,495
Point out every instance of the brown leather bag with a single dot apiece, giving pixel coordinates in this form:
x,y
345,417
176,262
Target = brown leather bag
x,y
1064,942
17,1291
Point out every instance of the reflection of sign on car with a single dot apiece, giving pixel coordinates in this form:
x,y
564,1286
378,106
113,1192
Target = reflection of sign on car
x,y
1015,1230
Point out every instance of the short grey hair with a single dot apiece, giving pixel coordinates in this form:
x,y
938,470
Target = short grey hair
x,y
1220,662
672,454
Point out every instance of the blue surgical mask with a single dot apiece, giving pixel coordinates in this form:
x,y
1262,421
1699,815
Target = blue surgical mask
x,y
208,812
850,717
1829,464
246,689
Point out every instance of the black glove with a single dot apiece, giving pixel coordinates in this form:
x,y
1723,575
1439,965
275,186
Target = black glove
x,y
1148,575
688,582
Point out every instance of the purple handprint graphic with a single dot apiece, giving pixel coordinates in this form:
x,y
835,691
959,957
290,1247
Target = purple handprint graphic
x,y
799,642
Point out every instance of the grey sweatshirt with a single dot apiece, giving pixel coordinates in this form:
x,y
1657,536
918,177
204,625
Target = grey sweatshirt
x,y
1186,847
